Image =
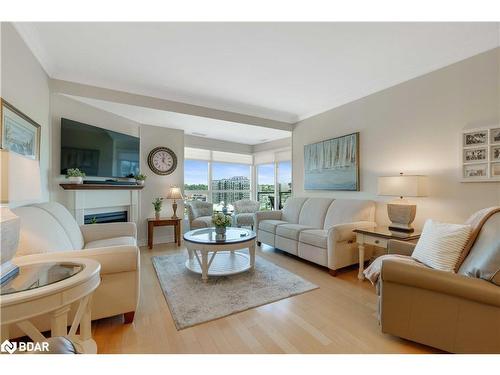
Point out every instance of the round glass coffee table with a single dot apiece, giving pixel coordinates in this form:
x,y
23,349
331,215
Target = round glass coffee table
x,y
211,254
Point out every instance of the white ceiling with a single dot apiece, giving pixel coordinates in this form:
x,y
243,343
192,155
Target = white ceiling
x,y
193,125
281,71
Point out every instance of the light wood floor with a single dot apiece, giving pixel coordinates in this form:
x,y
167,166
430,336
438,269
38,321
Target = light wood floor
x,y
339,317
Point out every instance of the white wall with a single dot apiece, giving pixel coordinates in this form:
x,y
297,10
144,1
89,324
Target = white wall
x,y
157,186
25,85
415,128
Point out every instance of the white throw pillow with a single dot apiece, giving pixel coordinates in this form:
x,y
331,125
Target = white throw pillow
x,y
441,244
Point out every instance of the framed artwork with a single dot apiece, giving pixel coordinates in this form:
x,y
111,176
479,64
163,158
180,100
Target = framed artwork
x,y
19,133
332,164
475,155
495,169
481,155
476,138
495,136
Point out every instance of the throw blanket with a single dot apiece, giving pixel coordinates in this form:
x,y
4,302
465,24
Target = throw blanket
x,y
476,222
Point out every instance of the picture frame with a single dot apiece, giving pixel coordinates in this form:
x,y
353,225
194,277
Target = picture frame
x,y
332,164
495,169
18,132
475,155
495,153
475,171
495,136
475,138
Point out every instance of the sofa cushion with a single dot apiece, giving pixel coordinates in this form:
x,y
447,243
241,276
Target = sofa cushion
x,y
270,225
291,211
117,241
313,212
291,231
483,260
67,221
40,232
202,222
343,211
315,237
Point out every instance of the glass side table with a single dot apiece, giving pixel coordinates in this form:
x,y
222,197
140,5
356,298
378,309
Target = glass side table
x,y
51,287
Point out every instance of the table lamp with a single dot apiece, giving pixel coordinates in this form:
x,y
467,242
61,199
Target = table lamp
x,y
400,211
174,193
20,183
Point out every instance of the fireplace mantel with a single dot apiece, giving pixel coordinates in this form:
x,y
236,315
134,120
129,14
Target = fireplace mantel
x,y
100,187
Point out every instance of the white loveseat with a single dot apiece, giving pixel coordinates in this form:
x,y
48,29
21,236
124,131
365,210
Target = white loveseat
x,y
48,230
319,230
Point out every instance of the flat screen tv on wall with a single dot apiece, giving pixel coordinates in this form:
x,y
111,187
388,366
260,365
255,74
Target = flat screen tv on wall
x,y
97,151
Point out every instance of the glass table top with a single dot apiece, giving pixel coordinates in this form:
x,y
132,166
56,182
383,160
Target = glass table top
x,y
34,276
208,236
386,232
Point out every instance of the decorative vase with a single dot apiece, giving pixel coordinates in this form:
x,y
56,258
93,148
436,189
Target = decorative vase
x,y
224,210
139,182
157,215
75,180
220,231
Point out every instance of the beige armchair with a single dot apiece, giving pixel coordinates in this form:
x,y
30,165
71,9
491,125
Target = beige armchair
x,y
244,212
456,312
199,214
49,231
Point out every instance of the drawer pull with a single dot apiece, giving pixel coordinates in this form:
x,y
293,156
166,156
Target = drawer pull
x,y
377,241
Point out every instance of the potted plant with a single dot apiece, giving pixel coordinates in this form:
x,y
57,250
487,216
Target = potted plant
x,y
140,178
221,222
157,203
75,176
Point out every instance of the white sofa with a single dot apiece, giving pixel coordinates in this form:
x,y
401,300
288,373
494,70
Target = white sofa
x,y
48,230
319,230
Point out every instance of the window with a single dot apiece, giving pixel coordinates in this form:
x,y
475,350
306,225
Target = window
x,y
265,186
230,182
284,181
196,180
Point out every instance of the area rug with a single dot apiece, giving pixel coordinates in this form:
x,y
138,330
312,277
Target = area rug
x,y
193,302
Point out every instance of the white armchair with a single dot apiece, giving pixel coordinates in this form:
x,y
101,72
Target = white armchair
x,y
49,231
244,211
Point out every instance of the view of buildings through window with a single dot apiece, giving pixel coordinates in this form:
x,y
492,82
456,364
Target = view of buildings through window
x,y
230,182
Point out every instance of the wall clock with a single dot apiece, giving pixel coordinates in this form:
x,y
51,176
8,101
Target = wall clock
x,y
162,161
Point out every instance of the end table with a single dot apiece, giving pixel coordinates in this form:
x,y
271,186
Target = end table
x,y
379,236
161,222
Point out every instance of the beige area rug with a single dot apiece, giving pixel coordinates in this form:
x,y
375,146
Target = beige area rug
x,y
193,302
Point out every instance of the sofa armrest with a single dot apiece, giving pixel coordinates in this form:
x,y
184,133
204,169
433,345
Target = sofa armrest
x,y
94,232
401,247
113,259
266,215
440,281
344,232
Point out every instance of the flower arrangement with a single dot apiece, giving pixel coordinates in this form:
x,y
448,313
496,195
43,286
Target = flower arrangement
x,y
140,178
220,220
157,203
74,172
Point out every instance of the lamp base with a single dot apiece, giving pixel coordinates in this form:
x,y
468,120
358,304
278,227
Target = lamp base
x,y
174,208
401,216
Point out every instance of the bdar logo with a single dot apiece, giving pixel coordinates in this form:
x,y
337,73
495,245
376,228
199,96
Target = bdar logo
x,y
8,347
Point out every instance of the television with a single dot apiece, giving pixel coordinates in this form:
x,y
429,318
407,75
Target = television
x,y
98,152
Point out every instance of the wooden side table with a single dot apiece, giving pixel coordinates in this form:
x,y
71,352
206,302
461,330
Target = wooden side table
x,y
379,236
162,222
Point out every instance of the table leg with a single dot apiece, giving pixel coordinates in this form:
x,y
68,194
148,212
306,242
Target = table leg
x,y
150,234
251,250
59,322
176,232
361,249
204,266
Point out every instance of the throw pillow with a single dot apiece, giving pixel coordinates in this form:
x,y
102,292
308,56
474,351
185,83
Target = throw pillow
x,y
441,244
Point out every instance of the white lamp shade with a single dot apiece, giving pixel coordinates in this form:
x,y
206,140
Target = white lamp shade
x,y
403,186
174,193
20,178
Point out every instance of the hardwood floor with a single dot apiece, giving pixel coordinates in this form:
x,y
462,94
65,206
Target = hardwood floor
x,y
339,317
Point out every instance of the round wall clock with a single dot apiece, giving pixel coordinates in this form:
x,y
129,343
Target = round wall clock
x,y
162,161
